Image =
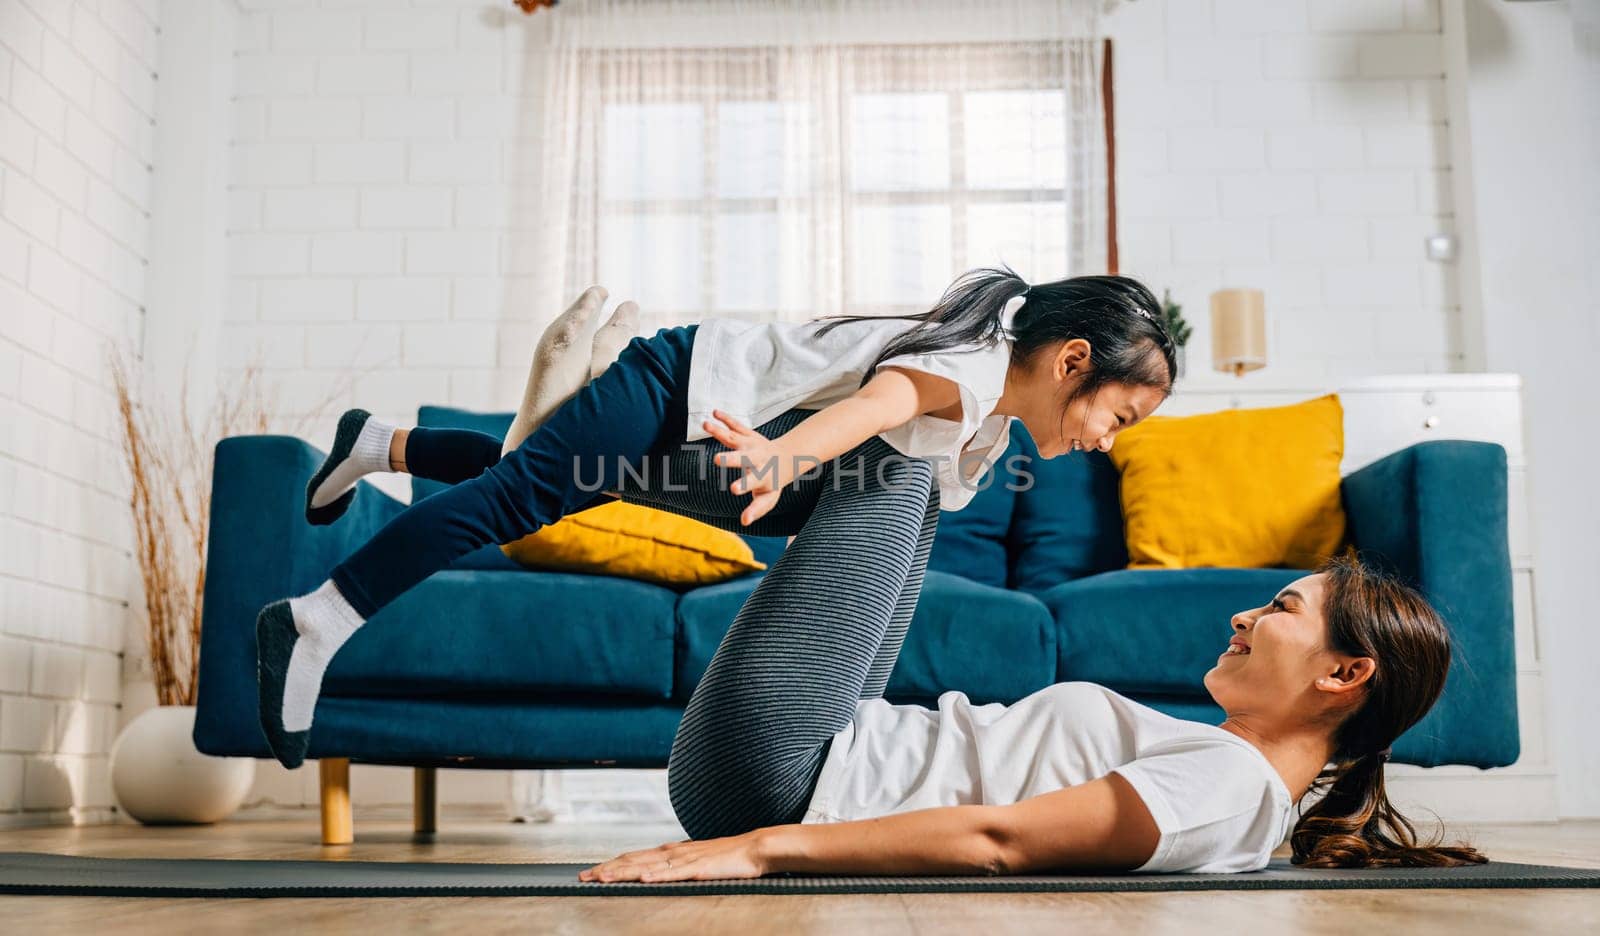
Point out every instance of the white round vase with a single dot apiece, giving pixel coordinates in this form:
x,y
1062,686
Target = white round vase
x,y
160,779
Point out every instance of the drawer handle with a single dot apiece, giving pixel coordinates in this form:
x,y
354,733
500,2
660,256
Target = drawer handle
x,y
1432,422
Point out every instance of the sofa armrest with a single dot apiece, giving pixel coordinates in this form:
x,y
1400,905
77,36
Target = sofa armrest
x,y
1435,514
261,549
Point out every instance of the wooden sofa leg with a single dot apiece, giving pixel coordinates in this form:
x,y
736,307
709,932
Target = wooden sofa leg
x,y
337,826
425,800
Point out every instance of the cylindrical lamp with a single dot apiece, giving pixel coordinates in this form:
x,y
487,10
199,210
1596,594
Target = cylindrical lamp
x,y
1238,330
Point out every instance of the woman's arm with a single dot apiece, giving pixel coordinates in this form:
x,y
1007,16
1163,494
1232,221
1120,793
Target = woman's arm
x,y
1100,825
892,397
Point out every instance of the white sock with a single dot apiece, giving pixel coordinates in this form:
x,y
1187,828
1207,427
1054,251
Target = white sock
x,y
369,453
324,620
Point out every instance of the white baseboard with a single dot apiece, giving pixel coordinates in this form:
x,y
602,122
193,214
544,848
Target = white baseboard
x,y
1457,794
96,815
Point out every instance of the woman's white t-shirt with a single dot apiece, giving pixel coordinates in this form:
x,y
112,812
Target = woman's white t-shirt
x,y
1218,803
758,370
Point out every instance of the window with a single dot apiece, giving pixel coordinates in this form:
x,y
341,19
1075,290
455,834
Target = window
x,y
924,161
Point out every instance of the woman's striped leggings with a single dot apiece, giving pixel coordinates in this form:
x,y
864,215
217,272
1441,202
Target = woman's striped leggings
x,y
821,630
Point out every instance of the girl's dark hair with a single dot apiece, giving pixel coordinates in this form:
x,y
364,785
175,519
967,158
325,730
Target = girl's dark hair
x,y
1119,317
1370,613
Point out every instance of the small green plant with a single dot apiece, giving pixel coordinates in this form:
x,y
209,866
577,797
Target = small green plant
x,y
1172,313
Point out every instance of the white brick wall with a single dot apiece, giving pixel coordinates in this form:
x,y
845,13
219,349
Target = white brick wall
x,y
1298,146
77,87
367,204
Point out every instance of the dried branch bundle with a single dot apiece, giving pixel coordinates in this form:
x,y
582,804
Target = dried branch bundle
x,y
169,460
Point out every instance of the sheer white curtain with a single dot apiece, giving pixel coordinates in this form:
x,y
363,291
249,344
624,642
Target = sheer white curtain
x,y
788,159
793,158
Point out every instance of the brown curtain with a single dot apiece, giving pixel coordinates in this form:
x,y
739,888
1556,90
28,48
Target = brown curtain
x,y
1111,159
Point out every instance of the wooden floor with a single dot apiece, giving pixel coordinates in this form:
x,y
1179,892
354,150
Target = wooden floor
x,y
388,838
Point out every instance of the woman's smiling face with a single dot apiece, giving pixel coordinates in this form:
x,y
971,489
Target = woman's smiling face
x,y
1278,662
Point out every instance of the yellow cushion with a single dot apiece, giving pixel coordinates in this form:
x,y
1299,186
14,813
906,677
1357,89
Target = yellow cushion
x,y
636,542
1242,488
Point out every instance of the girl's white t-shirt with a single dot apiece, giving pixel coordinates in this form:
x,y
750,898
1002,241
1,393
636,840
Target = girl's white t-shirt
x,y
758,370
1218,803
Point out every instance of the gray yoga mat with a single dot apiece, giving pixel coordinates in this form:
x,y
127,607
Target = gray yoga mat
x,y
61,875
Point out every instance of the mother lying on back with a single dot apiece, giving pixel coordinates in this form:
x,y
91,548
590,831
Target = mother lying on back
x,y
1330,672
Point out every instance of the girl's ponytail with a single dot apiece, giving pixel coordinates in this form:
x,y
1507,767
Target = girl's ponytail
x,y
1118,316
967,313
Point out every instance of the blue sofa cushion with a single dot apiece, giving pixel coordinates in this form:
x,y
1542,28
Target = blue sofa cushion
x,y
1153,630
767,549
468,632
994,645
1068,523
971,542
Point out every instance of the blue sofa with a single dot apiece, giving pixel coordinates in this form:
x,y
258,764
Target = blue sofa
x,y
490,665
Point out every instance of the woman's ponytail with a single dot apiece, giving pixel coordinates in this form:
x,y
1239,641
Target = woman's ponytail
x,y
1371,613
1355,826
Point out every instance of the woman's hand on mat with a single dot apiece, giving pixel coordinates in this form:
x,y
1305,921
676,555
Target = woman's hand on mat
x,y
735,856
766,466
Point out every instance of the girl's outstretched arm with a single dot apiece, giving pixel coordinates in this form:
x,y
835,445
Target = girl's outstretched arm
x,y
893,396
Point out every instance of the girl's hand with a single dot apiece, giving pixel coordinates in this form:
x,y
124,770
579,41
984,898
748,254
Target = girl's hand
x,y
767,467
736,856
